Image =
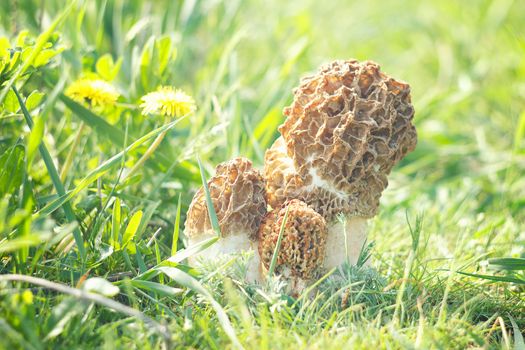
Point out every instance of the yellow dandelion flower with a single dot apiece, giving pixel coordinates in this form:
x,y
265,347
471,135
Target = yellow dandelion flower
x,y
95,92
167,101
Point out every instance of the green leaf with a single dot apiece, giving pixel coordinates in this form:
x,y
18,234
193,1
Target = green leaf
x,y
11,170
131,229
35,139
34,99
107,68
10,103
45,56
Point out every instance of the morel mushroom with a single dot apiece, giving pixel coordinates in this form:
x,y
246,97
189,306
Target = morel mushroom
x,y
238,196
348,125
302,247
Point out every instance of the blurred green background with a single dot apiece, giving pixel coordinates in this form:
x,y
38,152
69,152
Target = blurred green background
x,y
464,60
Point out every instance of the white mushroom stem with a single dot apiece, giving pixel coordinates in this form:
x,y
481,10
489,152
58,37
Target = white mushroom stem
x,y
344,242
231,244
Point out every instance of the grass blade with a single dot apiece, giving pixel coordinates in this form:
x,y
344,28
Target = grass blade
x,y
187,281
176,228
278,245
115,224
519,343
209,203
55,178
507,264
192,250
495,278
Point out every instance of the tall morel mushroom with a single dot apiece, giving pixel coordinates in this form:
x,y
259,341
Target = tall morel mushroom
x,y
237,191
348,125
302,247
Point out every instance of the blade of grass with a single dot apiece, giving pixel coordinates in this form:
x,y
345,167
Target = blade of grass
x,y
187,281
519,343
192,250
115,224
176,228
415,234
495,278
278,245
55,178
507,263
209,203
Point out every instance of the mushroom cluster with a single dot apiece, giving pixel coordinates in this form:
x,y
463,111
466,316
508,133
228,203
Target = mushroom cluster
x,y
347,126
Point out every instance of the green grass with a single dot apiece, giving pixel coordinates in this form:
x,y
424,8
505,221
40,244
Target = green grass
x,y
455,202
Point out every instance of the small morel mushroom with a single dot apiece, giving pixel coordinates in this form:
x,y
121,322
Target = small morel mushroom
x,y
348,125
302,247
238,196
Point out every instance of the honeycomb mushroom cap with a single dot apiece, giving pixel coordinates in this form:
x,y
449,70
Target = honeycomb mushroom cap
x,y
284,182
238,194
348,125
303,244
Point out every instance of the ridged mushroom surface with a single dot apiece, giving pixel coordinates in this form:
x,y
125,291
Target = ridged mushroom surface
x,y
303,244
348,125
238,194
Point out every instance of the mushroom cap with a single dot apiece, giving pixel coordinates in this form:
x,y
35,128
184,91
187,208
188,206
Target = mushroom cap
x,y
238,196
348,125
283,183
303,244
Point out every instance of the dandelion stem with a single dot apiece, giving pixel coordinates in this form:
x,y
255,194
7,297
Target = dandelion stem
x,y
147,154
